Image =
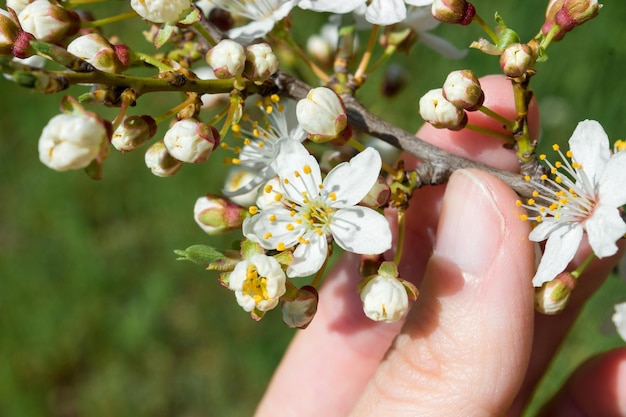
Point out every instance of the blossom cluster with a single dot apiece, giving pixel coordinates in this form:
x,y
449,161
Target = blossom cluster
x,y
302,177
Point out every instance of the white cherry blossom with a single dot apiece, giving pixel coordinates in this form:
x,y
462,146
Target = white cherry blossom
x,y
312,210
584,196
263,15
258,283
378,12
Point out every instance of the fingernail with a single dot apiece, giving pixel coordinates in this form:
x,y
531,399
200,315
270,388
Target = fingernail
x,y
471,227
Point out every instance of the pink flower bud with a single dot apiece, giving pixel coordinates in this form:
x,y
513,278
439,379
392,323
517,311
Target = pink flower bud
x,y
227,58
49,22
564,15
216,215
98,51
553,296
453,11
133,132
516,59
463,90
323,116
160,162
188,140
439,112
261,62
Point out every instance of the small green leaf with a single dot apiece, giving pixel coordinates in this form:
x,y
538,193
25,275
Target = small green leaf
x,y
164,34
202,255
192,17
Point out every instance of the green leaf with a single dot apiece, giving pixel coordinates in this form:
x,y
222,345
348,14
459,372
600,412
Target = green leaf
x,y
164,34
192,17
202,255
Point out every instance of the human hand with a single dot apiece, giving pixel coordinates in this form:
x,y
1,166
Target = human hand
x,y
471,345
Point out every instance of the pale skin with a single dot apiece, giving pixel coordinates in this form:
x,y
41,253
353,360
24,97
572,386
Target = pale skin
x,y
471,345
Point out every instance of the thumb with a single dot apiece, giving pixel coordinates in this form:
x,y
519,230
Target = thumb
x,y
465,345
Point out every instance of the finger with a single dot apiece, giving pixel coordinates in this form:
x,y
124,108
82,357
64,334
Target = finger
x,y
596,389
465,345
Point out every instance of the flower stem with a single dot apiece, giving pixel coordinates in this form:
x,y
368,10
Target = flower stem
x,y
107,20
578,272
319,73
508,124
401,235
174,110
506,138
367,55
205,33
148,59
492,35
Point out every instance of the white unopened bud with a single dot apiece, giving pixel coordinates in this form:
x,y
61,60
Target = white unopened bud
x,y
188,140
384,299
453,11
18,5
553,296
48,22
323,116
160,162
439,112
72,141
98,51
161,11
261,62
378,196
133,132
463,89
216,215
227,58
516,59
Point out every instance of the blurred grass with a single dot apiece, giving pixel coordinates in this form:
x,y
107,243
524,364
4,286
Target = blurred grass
x,y
97,318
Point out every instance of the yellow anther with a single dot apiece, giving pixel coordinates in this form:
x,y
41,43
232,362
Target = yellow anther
x,y
235,161
558,180
261,144
332,196
237,149
535,193
285,181
269,109
518,203
319,231
275,98
253,210
523,217
555,147
281,108
280,246
272,218
235,128
531,201
268,188
247,141
296,174
307,169
542,156
278,197
267,235
303,240
543,177
558,164
298,221
224,145
255,132
538,219
576,165
569,154
527,178
289,227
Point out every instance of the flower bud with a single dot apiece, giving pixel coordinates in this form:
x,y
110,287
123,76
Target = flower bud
x,y
516,59
261,62
216,215
553,296
161,11
98,51
564,15
463,90
48,22
453,11
188,140
238,179
323,116
439,112
72,141
227,58
320,49
384,299
378,196
17,5
133,132
299,311
160,162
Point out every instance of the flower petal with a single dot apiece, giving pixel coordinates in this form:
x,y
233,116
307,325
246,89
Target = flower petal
x,y
308,258
299,171
559,251
544,229
385,12
351,181
612,184
604,228
590,145
269,228
332,6
361,230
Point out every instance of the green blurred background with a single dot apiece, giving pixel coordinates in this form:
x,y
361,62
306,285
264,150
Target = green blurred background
x,y
96,316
